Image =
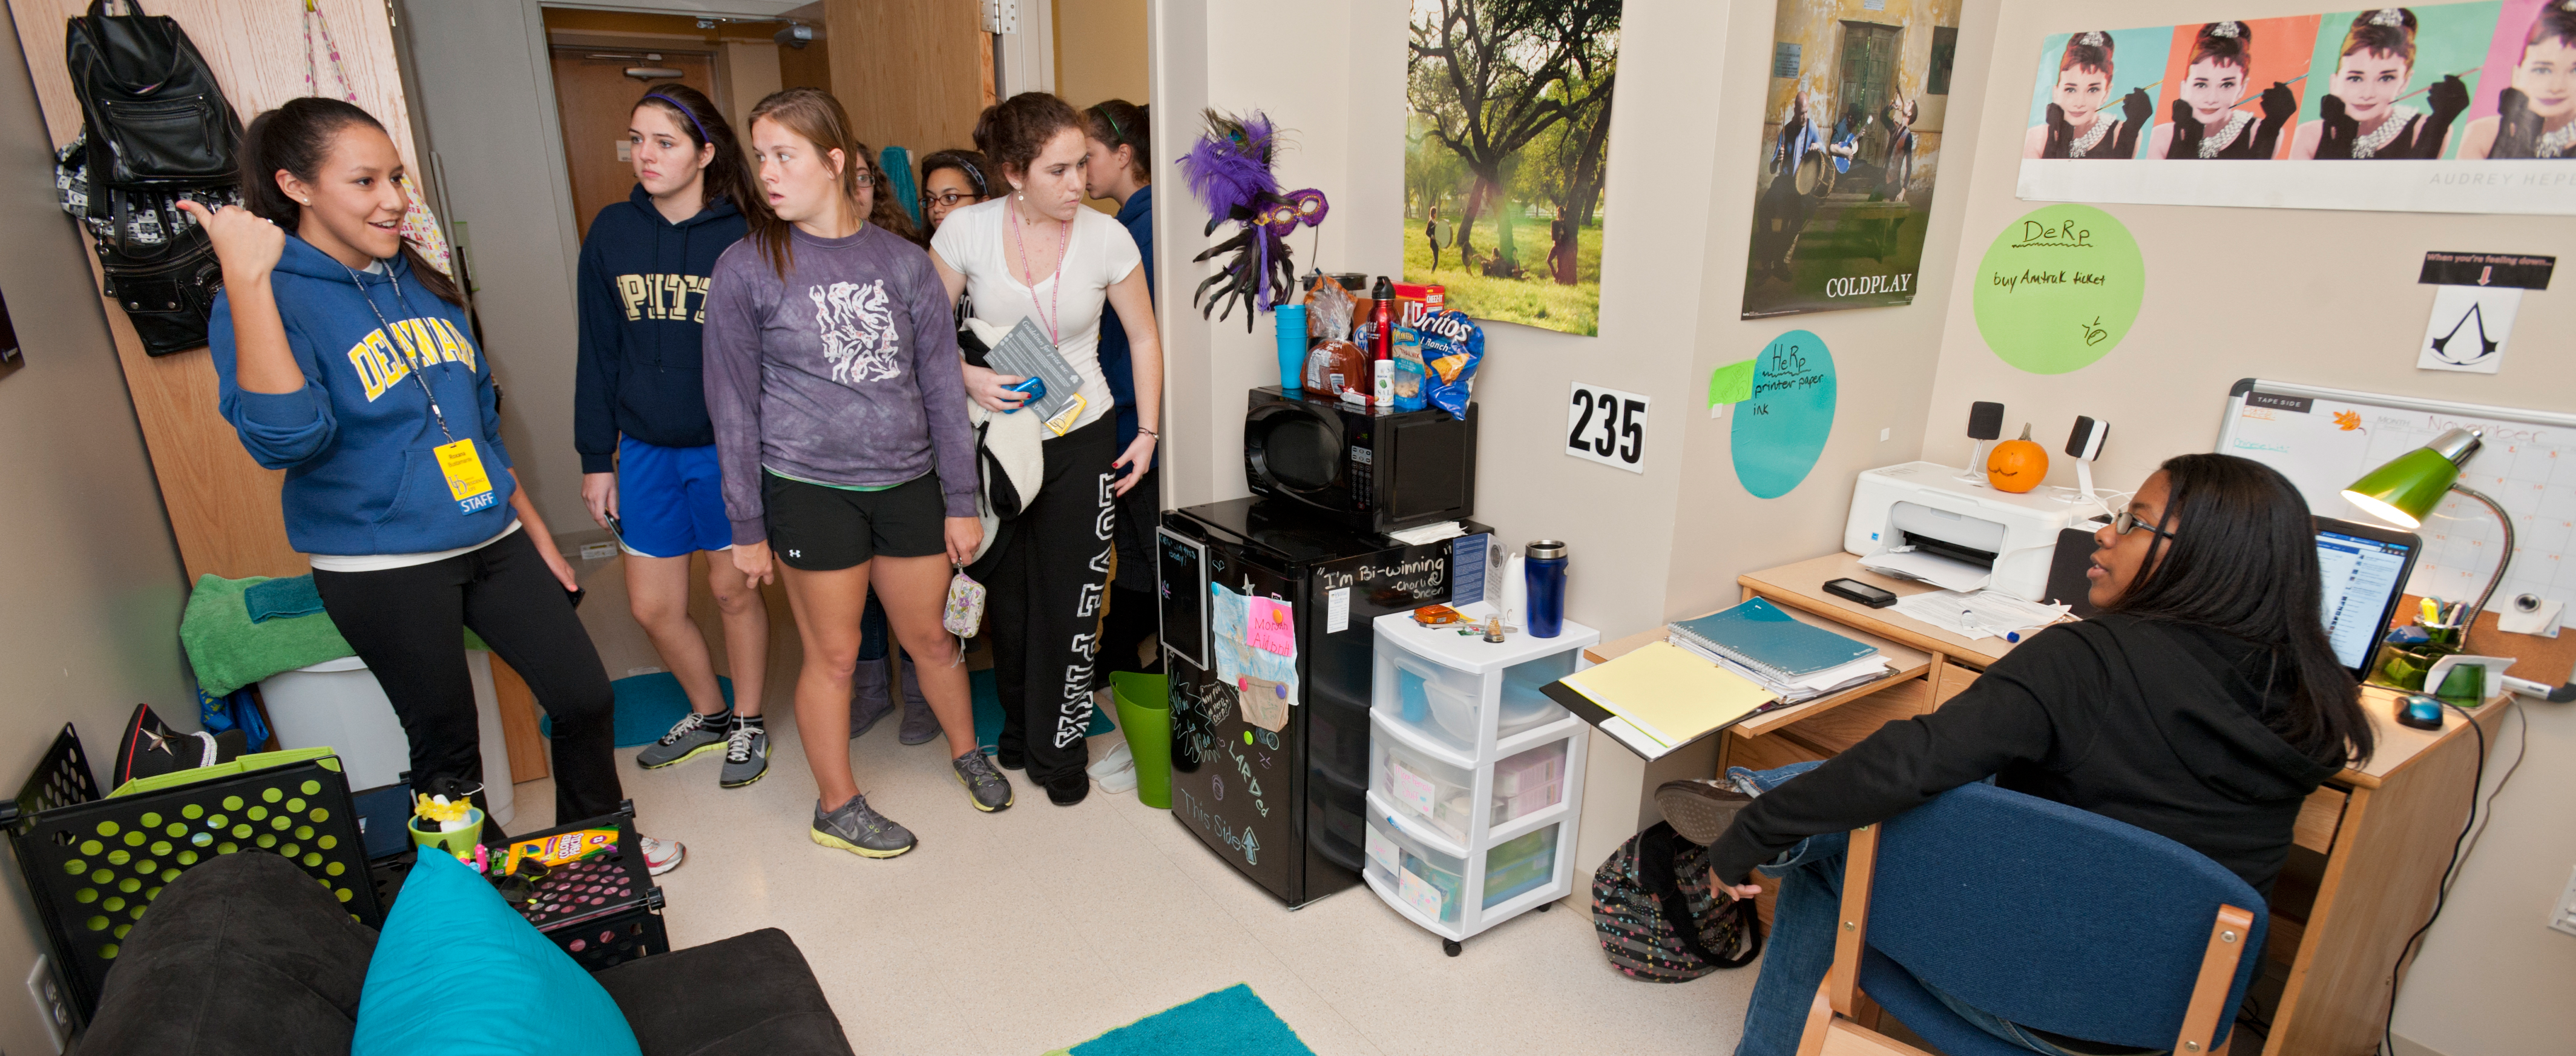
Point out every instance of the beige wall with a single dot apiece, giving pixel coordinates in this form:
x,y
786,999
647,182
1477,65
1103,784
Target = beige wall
x,y
94,588
2326,298
1343,110
1884,358
1100,51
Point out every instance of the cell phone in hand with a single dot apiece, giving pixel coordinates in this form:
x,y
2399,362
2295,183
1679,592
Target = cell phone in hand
x,y
1032,388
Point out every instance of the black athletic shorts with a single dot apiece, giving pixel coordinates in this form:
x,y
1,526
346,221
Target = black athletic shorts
x,y
819,528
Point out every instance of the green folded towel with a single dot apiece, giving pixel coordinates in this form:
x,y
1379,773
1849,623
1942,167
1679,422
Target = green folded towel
x,y
228,651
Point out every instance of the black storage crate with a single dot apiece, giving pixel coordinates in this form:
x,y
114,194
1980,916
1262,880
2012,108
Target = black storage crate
x,y
94,864
603,911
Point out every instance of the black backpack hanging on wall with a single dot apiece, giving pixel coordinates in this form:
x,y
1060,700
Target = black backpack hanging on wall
x,y
156,128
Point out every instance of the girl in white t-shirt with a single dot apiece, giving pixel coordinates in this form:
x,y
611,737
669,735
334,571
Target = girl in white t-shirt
x,y
1037,253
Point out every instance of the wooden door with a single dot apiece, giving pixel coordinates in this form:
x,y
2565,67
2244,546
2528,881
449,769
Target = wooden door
x,y
595,100
913,73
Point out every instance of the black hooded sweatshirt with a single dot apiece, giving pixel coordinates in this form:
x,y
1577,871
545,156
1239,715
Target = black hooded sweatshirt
x,y
643,306
2159,725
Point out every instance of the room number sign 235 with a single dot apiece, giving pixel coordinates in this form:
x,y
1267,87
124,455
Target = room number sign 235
x,y
1606,426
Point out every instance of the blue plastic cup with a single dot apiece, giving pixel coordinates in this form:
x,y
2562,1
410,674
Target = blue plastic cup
x,y
1292,348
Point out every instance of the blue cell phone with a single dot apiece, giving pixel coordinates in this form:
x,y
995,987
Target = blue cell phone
x,y
1034,388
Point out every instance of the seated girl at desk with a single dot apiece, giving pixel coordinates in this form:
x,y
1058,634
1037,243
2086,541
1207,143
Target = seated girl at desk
x,y
2203,704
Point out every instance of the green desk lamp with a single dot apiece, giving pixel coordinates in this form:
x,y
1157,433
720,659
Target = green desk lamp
x,y
2410,485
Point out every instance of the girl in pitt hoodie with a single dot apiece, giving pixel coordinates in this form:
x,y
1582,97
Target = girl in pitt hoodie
x,y
648,451
344,360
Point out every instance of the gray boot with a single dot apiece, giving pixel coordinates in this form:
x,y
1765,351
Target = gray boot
x,y
871,695
919,725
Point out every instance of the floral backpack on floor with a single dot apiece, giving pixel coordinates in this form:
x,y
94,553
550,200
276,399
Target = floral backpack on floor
x,y
1659,919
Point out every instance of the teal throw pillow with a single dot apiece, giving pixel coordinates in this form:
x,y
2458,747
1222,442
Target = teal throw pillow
x,y
457,972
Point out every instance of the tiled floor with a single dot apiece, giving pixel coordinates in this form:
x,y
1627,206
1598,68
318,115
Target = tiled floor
x,y
1040,926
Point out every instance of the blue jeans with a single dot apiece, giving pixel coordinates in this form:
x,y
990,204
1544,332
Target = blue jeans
x,y
1800,949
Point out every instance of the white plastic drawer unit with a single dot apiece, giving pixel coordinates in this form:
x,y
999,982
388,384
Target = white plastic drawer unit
x,y
1475,776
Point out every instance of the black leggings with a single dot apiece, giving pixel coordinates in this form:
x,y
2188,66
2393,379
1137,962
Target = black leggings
x,y
407,624
1048,574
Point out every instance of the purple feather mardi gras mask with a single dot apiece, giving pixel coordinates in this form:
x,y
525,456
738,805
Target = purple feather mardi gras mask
x,y
1229,170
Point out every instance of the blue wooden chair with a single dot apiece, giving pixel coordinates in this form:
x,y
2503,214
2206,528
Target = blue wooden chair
x,y
2040,913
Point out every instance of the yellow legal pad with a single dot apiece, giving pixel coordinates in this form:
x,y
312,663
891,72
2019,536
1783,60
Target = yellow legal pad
x,y
1668,693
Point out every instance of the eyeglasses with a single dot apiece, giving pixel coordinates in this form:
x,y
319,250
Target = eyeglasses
x,y
950,199
2128,521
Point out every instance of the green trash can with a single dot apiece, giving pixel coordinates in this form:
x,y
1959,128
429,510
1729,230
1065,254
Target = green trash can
x,y
1145,712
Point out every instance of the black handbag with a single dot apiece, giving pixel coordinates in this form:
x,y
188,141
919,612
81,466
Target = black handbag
x,y
1658,918
156,128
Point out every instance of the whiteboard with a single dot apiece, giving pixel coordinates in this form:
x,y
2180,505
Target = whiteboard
x,y
2324,439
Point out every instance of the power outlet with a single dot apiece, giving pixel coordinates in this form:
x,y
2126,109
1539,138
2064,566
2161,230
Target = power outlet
x,y
52,1005
2563,915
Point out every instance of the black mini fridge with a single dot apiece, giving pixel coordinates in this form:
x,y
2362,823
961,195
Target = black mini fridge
x,y
1284,804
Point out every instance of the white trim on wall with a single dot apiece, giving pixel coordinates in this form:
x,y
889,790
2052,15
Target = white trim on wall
x,y
1024,61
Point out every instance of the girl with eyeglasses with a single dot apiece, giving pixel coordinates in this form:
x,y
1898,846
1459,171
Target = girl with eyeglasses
x,y
950,180
2203,703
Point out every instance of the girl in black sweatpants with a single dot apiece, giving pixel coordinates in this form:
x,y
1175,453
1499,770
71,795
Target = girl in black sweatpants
x,y
514,603
1047,637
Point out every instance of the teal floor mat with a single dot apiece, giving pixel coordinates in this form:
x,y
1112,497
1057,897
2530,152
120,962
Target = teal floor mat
x,y
1234,1021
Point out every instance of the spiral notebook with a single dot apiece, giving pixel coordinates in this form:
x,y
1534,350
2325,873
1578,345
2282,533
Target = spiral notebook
x,y
1758,635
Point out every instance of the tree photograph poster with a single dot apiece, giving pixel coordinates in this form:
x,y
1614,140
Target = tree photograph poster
x,y
1507,144
1851,141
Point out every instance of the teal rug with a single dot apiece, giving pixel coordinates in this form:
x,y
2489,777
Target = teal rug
x,y
1229,1022
647,705
988,713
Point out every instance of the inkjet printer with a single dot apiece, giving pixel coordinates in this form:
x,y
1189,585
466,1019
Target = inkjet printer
x,y
1921,521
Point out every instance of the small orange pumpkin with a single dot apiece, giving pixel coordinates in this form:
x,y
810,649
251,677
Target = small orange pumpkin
x,y
2017,465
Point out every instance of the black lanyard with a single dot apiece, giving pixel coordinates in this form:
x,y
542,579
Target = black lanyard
x,y
402,346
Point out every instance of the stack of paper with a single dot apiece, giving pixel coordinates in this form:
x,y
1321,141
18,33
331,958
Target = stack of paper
x,y
1905,562
1984,614
1667,694
1801,689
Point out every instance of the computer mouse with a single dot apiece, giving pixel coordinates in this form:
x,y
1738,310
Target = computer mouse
x,y
2419,711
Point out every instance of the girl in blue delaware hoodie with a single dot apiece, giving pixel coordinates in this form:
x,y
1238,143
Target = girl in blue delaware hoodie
x,y
648,452
345,360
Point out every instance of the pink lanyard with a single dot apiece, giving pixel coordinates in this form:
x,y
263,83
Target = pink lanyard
x,y
1064,238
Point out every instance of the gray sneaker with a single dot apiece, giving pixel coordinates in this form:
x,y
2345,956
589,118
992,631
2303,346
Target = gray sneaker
x,y
694,735
860,830
919,725
985,785
746,756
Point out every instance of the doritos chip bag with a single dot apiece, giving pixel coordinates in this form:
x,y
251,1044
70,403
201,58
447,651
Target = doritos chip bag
x,y
1452,345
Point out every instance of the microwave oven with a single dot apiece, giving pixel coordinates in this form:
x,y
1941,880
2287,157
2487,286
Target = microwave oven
x,y
1374,473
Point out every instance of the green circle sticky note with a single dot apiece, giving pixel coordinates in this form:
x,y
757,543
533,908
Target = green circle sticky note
x,y
1781,427
2058,288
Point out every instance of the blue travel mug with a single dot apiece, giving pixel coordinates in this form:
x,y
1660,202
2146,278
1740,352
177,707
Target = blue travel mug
x,y
1543,565
1292,348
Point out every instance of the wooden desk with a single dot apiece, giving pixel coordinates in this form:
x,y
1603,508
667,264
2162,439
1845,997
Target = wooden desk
x,y
2368,851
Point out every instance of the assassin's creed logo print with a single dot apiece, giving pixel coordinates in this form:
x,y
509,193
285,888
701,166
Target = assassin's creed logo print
x,y
858,331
